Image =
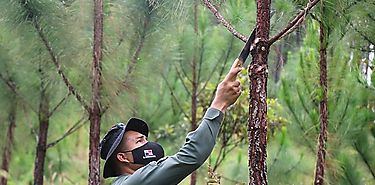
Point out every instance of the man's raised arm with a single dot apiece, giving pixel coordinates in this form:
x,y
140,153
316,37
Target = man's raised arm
x,y
199,143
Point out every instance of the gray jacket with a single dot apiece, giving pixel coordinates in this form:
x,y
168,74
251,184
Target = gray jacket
x,y
173,169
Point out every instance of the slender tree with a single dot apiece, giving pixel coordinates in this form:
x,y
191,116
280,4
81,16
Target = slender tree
x,y
9,140
33,16
95,108
321,154
44,121
194,84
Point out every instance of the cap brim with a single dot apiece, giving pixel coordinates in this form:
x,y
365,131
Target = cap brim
x,y
108,169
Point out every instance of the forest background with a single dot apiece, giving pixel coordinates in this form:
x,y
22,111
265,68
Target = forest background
x,y
161,60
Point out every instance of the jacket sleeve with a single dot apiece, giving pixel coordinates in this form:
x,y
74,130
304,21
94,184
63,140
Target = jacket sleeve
x,y
172,170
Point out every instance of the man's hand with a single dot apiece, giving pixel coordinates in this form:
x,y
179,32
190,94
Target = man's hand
x,y
229,89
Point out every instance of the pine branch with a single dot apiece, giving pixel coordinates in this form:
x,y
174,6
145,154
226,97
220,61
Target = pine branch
x,y
12,86
202,50
294,23
182,80
137,52
71,130
365,160
308,110
209,78
364,36
224,153
305,80
294,166
223,21
184,72
29,121
175,98
9,83
289,105
221,73
216,66
348,177
56,62
276,157
59,104
345,112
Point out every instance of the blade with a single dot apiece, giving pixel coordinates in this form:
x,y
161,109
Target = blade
x,y
246,49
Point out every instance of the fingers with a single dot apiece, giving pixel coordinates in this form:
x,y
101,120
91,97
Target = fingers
x,y
234,70
236,87
236,83
229,89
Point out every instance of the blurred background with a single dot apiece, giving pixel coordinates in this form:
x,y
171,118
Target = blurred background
x,y
161,61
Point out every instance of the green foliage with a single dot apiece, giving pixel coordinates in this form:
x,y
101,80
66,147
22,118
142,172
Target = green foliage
x,y
275,120
170,45
349,115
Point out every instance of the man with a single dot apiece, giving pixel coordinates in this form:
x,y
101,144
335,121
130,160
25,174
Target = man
x,y
135,161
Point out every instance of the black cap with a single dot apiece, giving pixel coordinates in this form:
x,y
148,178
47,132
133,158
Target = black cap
x,y
113,138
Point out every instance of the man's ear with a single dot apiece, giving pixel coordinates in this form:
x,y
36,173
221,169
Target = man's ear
x,y
122,157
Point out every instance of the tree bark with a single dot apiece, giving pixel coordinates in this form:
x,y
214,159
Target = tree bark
x,y
258,71
95,108
7,153
321,154
41,147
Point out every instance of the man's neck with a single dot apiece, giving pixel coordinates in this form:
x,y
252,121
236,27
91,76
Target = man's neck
x,y
126,171
130,169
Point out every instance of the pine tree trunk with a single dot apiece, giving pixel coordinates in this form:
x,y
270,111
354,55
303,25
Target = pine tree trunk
x,y
194,175
321,155
42,137
258,71
7,153
95,109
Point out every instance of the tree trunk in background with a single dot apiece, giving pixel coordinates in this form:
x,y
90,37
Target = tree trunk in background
x,y
321,155
41,147
291,43
194,92
7,153
258,71
281,57
299,34
95,108
193,177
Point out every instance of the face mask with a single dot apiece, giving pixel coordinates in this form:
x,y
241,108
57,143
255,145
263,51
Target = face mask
x,y
146,153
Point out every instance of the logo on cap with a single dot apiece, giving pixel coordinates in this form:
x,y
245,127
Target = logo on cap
x,y
148,154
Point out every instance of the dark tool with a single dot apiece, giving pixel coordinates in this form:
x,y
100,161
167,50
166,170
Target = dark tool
x,y
246,49
250,41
